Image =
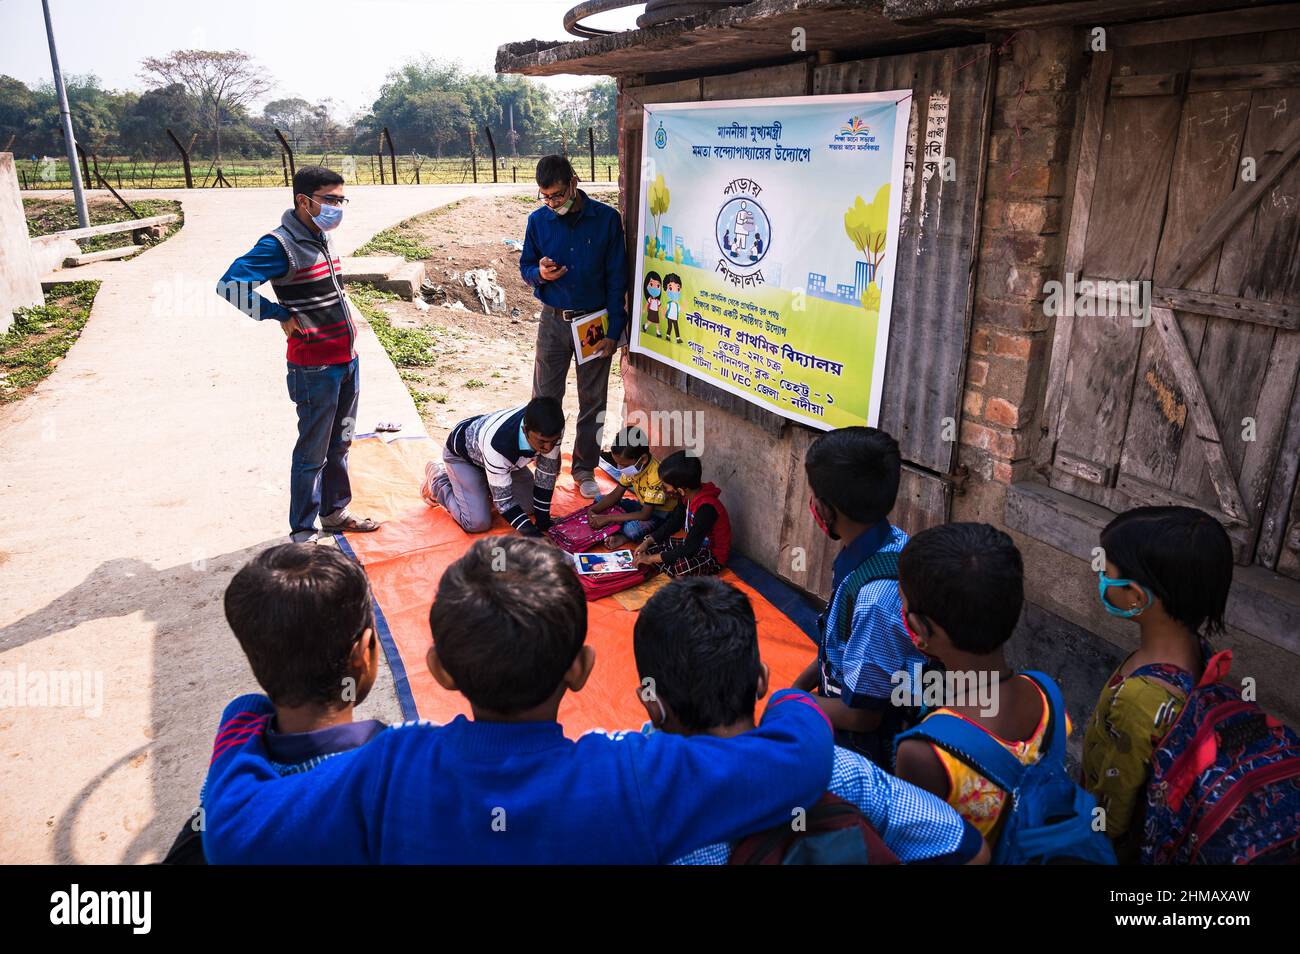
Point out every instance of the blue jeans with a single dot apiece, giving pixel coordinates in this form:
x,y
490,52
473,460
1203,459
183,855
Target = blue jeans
x,y
639,529
326,396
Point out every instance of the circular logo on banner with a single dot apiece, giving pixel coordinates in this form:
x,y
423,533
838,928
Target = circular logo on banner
x,y
661,135
743,231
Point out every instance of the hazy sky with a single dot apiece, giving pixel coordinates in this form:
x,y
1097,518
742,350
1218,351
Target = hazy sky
x,y
342,49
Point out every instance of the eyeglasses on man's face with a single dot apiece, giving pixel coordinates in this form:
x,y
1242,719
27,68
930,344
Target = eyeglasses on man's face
x,y
551,198
330,199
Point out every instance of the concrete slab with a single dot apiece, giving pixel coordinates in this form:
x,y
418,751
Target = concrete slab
x,y
136,479
389,273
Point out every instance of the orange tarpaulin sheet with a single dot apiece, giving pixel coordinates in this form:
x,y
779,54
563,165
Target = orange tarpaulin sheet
x,y
405,558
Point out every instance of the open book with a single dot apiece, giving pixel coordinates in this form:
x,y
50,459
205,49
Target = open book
x,y
615,561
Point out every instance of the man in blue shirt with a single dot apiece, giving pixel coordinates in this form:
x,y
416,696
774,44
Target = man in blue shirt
x,y
575,258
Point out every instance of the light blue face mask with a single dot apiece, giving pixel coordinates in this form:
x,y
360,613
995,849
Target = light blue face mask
x,y
674,295
653,292
1104,582
329,218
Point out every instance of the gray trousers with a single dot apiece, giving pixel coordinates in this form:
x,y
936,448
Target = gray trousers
x,y
465,493
550,371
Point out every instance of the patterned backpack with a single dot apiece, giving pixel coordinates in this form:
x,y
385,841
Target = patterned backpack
x,y
1225,782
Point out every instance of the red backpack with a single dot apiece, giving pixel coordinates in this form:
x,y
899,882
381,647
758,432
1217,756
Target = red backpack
x,y
835,833
1225,782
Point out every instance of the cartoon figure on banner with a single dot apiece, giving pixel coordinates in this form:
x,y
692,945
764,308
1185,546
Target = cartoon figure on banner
x,y
744,232
673,288
652,290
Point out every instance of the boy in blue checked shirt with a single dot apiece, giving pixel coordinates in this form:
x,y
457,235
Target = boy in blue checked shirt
x,y
509,623
303,616
696,646
853,473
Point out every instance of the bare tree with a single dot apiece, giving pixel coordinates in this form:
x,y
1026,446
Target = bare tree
x,y
218,79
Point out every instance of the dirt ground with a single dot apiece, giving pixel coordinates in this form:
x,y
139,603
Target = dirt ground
x,y
484,361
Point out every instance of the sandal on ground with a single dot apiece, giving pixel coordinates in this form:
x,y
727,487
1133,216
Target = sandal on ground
x,y
347,523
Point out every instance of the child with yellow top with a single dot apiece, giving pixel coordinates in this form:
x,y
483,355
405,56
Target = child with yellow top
x,y
639,473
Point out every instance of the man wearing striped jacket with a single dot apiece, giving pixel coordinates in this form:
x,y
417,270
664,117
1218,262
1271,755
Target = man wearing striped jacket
x,y
323,370
485,467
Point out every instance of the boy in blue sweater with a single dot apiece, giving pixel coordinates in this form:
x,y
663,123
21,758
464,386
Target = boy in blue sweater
x,y
853,473
509,623
696,646
303,616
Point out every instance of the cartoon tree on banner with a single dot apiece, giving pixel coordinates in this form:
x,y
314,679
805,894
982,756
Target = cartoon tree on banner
x,y
658,198
867,228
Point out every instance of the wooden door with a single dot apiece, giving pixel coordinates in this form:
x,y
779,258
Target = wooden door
x,y
1186,180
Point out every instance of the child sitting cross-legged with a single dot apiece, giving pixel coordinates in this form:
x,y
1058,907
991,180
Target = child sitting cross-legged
x,y
707,545
638,472
509,628
697,655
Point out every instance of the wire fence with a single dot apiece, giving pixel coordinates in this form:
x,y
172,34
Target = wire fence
x,y
177,167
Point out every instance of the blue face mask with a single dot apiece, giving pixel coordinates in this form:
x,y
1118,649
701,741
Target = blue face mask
x,y
329,218
674,295
654,292
1104,582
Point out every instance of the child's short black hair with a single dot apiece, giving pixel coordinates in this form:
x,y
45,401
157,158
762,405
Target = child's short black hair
x,y
1181,554
697,639
297,610
673,279
630,442
855,470
681,469
967,577
554,170
308,179
545,416
508,620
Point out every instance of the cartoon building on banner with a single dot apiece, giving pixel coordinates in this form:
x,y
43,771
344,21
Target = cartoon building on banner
x,y
767,251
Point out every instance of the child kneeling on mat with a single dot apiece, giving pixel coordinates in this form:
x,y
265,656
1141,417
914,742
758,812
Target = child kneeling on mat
x,y
707,545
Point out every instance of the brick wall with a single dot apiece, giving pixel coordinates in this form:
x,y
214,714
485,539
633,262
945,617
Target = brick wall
x,y
1020,246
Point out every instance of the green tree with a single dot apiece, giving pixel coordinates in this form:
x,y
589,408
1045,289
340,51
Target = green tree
x,y
223,81
659,198
867,226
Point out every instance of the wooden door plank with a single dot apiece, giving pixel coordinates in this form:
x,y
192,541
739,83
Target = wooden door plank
x,y
1249,76
1085,178
1184,372
1133,169
1222,218
1204,173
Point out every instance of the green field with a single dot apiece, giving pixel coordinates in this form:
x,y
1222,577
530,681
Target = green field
x,y
128,173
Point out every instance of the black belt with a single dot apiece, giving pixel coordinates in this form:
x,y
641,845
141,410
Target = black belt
x,y
571,314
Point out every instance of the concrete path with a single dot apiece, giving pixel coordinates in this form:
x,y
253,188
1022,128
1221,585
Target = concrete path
x,y
141,474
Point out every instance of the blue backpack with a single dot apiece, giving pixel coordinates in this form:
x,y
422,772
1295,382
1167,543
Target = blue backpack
x,y
1050,820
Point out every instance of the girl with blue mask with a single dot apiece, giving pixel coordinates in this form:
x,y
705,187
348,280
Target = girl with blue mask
x,y
1167,569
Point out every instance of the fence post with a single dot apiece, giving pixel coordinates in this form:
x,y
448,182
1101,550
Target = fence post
x,y
473,155
591,151
85,166
492,144
514,173
392,154
380,154
284,143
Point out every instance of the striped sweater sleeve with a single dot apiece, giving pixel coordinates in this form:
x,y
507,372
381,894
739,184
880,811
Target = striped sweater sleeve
x,y
544,475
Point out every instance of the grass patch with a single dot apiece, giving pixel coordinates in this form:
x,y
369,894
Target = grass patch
x,y
403,239
55,215
396,242
473,384
407,347
41,336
